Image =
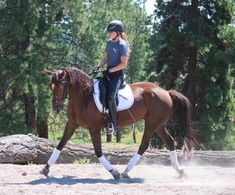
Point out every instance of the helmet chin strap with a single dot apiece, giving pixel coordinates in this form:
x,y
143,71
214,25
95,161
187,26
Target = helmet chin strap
x,y
115,37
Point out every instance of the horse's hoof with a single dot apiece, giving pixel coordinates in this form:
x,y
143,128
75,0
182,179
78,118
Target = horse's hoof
x,y
125,175
115,173
182,173
45,171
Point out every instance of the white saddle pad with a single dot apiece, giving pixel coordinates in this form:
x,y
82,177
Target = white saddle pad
x,y
125,97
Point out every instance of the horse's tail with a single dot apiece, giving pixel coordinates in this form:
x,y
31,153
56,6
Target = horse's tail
x,y
182,110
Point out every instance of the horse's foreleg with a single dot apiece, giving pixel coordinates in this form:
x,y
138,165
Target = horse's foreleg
x,y
168,139
68,132
96,141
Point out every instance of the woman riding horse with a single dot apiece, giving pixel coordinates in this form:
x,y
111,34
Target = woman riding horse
x,y
116,57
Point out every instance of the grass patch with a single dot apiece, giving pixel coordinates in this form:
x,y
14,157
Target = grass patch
x,y
81,136
82,161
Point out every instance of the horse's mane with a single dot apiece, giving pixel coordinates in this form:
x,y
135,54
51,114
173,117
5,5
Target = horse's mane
x,y
81,78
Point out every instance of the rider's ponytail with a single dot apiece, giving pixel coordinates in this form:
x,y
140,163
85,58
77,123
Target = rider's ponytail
x,y
124,37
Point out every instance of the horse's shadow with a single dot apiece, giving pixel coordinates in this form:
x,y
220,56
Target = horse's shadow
x,y
71,180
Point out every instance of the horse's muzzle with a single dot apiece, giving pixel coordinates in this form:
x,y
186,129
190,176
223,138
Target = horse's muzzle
x,y
57,106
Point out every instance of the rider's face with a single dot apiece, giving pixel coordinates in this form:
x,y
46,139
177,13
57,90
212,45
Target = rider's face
x,y
112,35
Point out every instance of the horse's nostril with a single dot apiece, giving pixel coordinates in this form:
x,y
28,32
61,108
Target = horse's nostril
x,y
57,107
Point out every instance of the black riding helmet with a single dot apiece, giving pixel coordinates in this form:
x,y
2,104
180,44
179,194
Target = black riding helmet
x,y
115,26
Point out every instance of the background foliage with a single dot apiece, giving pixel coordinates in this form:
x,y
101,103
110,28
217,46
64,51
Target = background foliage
x,y
185,45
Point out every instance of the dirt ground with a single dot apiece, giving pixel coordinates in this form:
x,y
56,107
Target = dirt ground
x,y
69,179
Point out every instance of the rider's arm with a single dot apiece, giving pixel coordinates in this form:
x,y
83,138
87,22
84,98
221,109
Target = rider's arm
x,y
103,61
122,65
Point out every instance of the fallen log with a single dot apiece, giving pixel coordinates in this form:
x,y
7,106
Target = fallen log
x,y
25,149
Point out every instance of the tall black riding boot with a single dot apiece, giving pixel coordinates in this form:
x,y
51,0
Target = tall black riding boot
x,y
112,128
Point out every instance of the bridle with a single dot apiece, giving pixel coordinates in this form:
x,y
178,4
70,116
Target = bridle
x,y
59,102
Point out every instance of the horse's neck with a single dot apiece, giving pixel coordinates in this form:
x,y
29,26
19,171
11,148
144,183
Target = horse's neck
x,y
77,105
81,90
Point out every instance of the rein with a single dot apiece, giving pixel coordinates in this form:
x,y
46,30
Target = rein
x,y
94,73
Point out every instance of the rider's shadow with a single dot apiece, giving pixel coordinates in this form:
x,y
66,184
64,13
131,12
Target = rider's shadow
x,y
71,180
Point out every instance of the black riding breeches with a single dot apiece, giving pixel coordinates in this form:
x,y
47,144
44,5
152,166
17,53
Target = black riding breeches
x,y
113,84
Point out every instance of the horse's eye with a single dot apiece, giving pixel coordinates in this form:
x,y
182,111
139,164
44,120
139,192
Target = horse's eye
x,y
62,85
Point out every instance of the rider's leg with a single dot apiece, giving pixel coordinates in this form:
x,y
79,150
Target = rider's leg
x,y
113,115
103,91
113,87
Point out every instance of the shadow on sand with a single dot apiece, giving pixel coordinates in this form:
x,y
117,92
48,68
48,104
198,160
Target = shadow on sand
x,y
71,180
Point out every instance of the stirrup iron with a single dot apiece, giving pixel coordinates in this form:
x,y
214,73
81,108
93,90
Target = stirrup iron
x,y
111,129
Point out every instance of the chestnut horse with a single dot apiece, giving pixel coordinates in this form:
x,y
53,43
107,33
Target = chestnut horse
x,y
152,103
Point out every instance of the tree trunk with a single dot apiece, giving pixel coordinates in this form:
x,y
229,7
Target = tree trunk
x,y
134,133
108,138
24,149
118,135
42,128
42,111
30,113
191,69
172,70
192,63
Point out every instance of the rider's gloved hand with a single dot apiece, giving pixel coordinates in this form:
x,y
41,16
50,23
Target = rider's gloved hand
x,y
105,73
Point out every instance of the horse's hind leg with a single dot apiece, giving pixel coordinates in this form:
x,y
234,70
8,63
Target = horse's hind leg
x,y
96,141
169,141
149,129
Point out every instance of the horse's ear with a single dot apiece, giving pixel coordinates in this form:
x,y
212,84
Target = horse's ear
x,y
63,73
47,72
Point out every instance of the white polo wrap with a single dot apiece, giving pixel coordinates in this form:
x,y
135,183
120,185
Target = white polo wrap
x,y
105,163
174,160
134,160
54,157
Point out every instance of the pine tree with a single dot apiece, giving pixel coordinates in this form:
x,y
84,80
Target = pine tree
x,y
52,34
31,40
194,54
